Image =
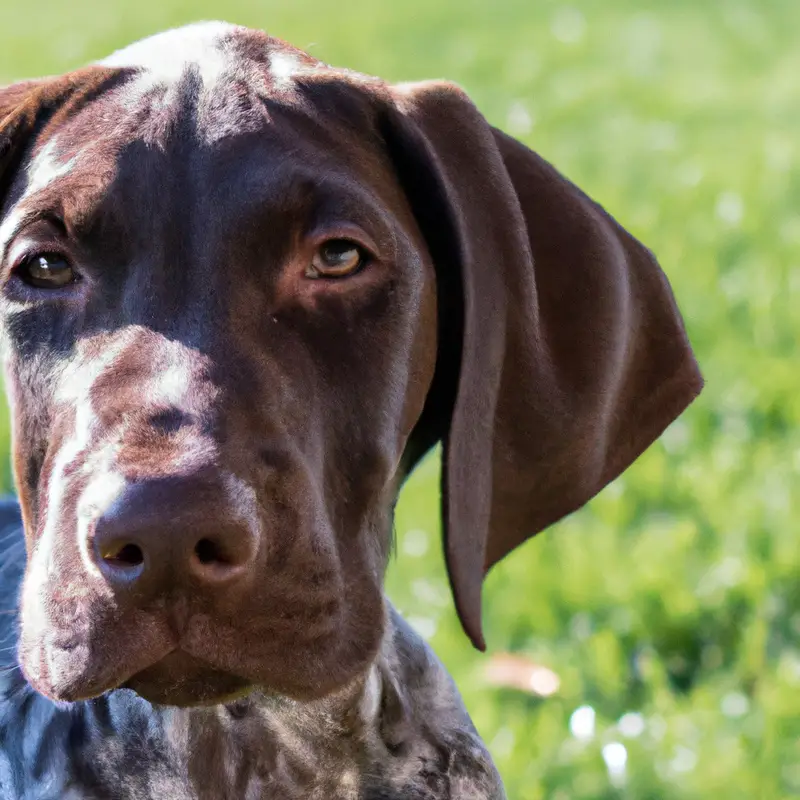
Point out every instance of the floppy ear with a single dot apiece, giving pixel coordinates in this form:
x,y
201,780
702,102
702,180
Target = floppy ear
x,y
19,108
562,354
26,108
15,94
11,98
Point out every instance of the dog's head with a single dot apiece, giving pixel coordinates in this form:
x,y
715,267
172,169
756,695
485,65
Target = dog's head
x,y
243,293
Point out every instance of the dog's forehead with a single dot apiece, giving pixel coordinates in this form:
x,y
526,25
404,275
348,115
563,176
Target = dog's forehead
x,y
196,85
214,51
170,52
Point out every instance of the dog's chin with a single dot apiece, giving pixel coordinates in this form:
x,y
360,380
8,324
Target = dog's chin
x,y
184,681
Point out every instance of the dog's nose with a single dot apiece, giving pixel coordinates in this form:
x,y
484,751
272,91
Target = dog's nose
x,y
160,534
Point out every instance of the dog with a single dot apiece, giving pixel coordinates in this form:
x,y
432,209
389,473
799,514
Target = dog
x,y
243,294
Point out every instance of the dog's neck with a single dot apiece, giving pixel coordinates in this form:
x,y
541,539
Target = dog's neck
x,y
399,730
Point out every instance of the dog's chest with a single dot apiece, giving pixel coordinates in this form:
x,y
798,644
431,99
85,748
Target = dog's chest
x,y
120,748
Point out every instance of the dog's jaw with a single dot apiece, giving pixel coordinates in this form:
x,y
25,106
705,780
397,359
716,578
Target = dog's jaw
x,y
397,730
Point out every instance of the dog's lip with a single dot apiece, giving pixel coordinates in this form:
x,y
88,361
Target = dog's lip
x,y
180,679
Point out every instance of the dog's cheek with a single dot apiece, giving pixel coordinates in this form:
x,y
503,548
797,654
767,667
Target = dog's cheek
x,y
26,386
36,622
54,650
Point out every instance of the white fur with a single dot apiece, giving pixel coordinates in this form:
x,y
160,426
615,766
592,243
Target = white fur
x,y
174,382
99,495
167,56
242,500
7,228
41,172
75,392
371,699
284,66
45,168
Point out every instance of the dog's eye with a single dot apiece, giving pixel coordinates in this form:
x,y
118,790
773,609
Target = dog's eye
x,y
337,258
46,271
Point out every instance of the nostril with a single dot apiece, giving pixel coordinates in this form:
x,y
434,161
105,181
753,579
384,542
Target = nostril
x,y
219,558
208,552
123,555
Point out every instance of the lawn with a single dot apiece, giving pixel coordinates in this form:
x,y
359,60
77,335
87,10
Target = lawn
x,y
670,606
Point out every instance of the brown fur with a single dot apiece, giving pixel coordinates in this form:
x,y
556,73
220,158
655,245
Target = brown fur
x,y
503,313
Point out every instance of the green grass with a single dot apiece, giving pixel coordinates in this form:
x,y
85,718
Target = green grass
x,y
676,593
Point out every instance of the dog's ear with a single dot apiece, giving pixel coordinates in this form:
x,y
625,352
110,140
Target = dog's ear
x,y
562,354
26,108
13,98
21,107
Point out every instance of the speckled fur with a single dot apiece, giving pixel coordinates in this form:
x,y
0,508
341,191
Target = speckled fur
x,y
402,735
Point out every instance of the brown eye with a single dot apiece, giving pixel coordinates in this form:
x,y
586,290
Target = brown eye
x,y
337,258
46,271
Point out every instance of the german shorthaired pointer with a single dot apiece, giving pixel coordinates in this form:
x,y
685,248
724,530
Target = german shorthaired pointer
x,y
243,293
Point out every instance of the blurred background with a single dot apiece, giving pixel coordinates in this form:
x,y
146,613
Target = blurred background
x,y
649,645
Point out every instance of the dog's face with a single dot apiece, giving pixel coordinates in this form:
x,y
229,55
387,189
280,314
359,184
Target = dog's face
x,y
242,294
221,331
